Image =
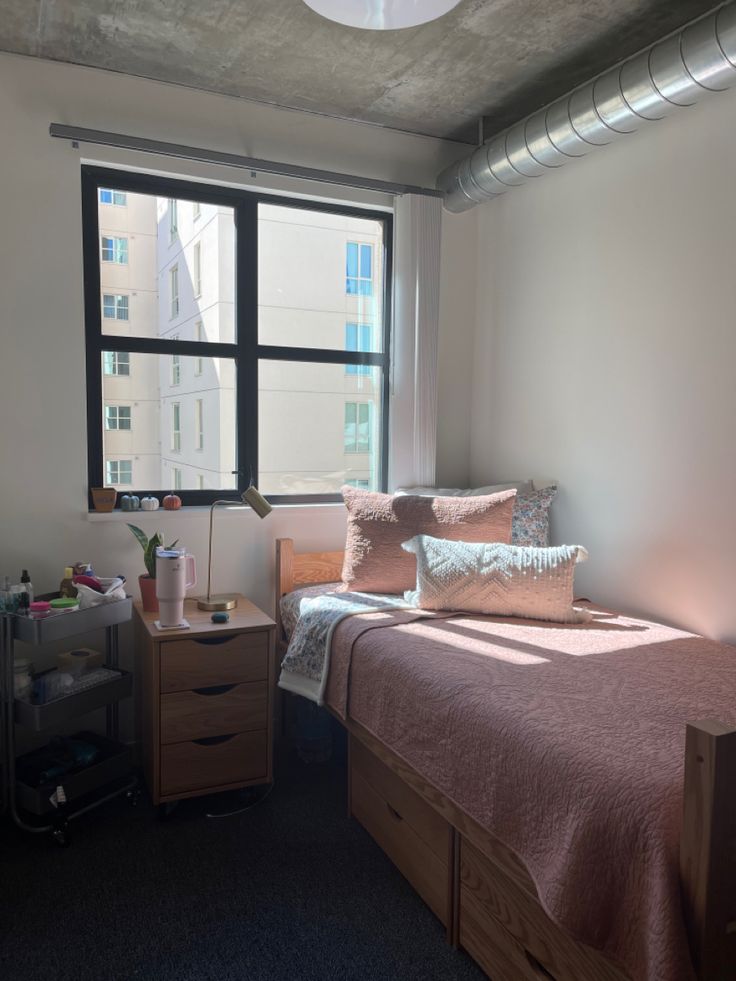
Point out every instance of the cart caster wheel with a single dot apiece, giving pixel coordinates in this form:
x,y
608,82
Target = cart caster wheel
x,y
61,837
164,811
133,797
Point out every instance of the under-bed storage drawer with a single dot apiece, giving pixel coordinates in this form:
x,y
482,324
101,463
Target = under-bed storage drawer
x,y
413,835
504,927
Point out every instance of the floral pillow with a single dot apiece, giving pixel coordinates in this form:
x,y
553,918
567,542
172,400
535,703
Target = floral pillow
x,y
530,523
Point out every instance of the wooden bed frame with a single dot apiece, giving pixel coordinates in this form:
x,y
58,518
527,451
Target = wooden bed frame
x,y
505,928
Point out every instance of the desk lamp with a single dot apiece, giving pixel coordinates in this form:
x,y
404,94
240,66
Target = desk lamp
x,y
260,505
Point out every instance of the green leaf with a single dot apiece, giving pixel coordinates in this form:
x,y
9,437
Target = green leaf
x,y
141,536
150,554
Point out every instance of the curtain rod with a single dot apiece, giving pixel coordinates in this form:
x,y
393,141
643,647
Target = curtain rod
x,y
80,135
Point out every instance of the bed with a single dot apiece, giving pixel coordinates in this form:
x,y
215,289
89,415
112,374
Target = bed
x,y
663,904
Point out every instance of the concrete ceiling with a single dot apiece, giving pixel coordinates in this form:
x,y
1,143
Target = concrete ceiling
x,y
495,58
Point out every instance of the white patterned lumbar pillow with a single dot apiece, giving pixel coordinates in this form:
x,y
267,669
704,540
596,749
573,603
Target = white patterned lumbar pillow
x,y
496,579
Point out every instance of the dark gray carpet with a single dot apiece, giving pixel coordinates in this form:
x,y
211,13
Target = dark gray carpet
x,y
290,889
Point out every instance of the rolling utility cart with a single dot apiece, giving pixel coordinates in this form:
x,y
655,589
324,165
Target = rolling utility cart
x,y
110,773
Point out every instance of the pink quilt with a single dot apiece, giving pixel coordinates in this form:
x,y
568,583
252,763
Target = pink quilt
x,y
565,741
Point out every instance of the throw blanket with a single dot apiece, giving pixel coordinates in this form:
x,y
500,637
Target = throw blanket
x,y
306,666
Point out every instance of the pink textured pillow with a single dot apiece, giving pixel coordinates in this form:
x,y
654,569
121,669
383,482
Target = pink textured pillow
x,y
378,524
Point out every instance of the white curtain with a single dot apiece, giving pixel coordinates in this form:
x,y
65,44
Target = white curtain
x,y
417,236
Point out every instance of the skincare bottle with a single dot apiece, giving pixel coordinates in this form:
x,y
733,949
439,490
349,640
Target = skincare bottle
x,y
67,587
25,580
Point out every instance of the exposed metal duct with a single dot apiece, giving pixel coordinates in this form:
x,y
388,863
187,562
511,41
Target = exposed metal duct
x,y
676,72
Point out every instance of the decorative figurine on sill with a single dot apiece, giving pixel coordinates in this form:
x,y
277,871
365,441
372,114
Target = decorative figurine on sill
x,y
149,504
126,503
172,502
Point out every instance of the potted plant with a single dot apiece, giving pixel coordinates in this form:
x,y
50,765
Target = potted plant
x,y
147,580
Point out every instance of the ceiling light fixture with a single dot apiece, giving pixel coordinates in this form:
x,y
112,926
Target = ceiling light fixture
x,y
382,15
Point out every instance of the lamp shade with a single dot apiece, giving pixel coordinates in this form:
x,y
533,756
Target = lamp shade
x,y
382,15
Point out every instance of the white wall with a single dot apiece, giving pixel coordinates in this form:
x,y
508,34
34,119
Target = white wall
x,y
43,514
604,357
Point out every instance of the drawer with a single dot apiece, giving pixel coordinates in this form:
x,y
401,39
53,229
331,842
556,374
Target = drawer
x,y
214,762
409,853
423,819
201,663
500,955
214,711
492,901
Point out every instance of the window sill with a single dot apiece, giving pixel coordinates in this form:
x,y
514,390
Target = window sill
x,y
134,516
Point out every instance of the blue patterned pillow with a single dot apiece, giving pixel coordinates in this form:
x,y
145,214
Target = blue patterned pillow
x,y
530,523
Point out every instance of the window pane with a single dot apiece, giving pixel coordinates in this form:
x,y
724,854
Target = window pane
x,y
318,427
304,256
163,277
158,427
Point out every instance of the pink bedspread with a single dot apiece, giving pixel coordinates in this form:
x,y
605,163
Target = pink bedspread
x,y
564,741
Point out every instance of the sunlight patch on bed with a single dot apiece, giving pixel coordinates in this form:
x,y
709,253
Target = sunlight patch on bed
x,y
446,638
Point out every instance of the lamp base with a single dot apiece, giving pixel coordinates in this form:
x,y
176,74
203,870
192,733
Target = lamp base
x,y
217,603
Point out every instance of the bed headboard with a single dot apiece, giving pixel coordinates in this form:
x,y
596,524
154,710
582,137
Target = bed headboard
x,y
302,569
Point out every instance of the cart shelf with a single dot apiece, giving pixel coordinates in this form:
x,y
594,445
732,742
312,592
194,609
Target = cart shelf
x,y
60,710
59,626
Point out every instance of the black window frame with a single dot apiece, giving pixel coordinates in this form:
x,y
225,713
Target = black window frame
x,y
247,351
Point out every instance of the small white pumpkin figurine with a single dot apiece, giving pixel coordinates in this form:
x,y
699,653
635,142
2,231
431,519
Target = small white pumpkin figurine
x,y
149,504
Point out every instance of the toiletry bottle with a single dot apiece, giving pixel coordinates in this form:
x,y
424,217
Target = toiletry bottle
x,y
67,587
25,581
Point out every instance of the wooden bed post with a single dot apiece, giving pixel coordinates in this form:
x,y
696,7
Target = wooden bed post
x,y
284,579
708,849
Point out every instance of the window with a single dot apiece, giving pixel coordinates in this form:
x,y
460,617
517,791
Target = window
x,y
114,306
116,362
198,425
108,196
176,477
356,482
115,250
197,270
119,472
357,427
196,210
278,371
176,427
358,337
174,291
175,366
359,269
173,219
198,336
117,417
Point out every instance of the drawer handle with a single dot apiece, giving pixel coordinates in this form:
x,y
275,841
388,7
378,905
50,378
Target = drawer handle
x,y
393,812
212,641
213,740
539,969
213,690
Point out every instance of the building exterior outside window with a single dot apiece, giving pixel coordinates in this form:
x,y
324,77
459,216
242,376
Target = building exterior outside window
x,y
359,269
115,306
176,427
108,196
319,423
115,249
117,417
119,472
197,279
174,291
357,427
116,363
358,337
173,218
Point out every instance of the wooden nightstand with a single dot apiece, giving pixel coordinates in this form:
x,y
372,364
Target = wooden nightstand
x,y
205,701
